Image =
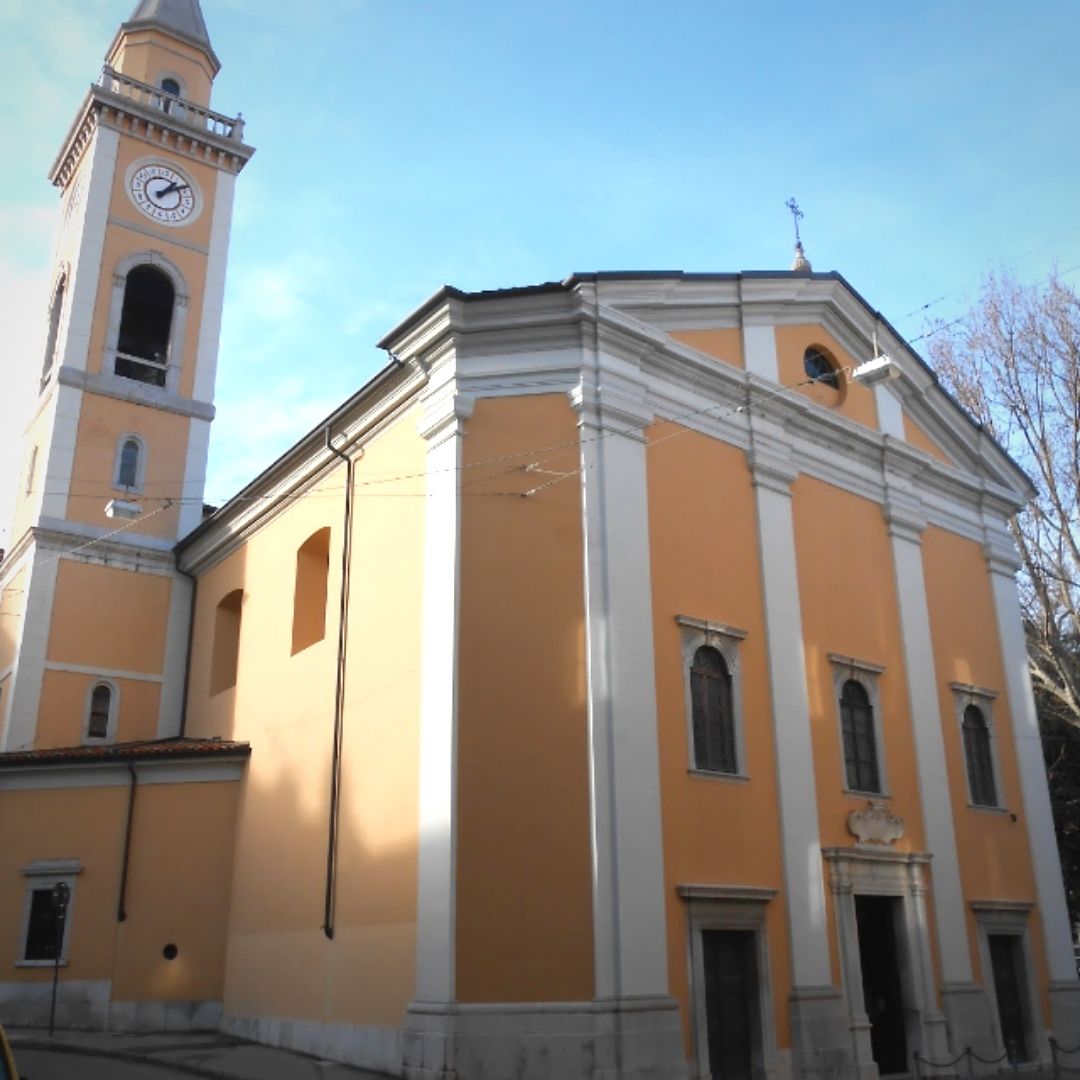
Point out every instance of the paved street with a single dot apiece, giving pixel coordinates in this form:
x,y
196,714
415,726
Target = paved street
x,y
42,1065
167,1056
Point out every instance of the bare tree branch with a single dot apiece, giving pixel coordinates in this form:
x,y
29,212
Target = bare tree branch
x,y
1014,363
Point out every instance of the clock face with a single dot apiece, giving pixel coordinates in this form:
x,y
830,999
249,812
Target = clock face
x,y
163,194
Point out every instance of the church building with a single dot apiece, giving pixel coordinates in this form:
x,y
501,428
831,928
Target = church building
x,y
627,682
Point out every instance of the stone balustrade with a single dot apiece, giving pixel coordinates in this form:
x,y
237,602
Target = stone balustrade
x,y
177,108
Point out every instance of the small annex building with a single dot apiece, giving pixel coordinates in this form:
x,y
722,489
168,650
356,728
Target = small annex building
x,y
628,681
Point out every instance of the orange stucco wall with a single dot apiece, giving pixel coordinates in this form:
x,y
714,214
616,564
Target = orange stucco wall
x,y
12,607
995,862
851,400
181,847
60,818
178,883
28,496
65,704
724,345
102,422
279,961
702,537
917,437
524,892
147,55
109,618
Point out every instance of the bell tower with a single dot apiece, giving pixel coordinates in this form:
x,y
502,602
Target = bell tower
x,y
95,617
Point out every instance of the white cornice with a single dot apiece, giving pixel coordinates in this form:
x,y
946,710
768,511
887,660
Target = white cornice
x,y
136,393
103,106
46,775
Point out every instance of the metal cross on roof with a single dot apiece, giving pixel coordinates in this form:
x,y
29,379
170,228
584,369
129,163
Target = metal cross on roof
x,y
796,215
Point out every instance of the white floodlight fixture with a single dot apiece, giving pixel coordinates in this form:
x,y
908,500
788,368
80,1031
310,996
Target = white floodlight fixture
x,y
880,369
120,508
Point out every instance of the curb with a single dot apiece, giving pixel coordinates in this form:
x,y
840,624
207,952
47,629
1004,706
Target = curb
x,y
118,1055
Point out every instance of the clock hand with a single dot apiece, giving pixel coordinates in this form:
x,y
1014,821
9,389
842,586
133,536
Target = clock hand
x,y
174,186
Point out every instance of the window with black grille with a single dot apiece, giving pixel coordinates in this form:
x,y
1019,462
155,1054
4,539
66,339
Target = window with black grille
x,y
100,705
820,367
41,933
860,739
977,754
713,712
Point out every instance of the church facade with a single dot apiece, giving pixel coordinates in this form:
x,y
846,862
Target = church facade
x,y
628,681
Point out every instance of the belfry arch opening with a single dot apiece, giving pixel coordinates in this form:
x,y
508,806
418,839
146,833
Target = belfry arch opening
x,y
142,347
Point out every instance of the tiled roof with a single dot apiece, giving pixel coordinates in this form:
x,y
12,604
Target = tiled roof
x,y
169,749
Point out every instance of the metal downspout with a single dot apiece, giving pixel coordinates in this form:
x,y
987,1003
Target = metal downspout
x,y
339,698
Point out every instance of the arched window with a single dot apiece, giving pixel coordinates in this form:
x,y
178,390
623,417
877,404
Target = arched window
x,y
821,367
860,740
100,715
309,595
127,465
170,86
226,653
55,309
980,763
142,347
713,713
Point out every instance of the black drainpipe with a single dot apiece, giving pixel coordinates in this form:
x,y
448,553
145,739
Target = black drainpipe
x,y
121,908
190,646
339,698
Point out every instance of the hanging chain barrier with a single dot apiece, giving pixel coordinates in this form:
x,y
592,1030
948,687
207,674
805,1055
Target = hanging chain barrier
x,y
1062,1069
969,1056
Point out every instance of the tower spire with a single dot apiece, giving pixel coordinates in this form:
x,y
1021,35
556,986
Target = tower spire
x,y
182,17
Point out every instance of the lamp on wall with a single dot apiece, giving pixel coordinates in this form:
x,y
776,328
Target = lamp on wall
x,y
121,508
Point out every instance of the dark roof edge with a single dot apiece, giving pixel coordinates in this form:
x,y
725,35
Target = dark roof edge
x,y
152,751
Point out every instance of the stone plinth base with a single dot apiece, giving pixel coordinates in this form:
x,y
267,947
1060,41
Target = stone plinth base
x,y
1065,1012
967,1010
364,1045
629,1039
822,1039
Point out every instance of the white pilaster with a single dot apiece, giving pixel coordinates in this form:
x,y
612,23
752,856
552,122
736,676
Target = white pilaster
x,y
820,1025
86,267
759,351
214,292
906,523
442,425
773,472
628,883
890,412
963,1003
29,663
174,671
56,485
198,448
1057,937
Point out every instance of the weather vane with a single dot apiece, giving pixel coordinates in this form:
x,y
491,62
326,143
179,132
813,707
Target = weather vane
x,y
796,215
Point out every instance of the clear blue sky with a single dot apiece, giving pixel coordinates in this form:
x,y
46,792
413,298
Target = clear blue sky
x,y
403,144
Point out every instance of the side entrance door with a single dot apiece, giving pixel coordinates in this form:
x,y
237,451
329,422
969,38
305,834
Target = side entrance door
x,y
732,1004
883,992
1006,959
